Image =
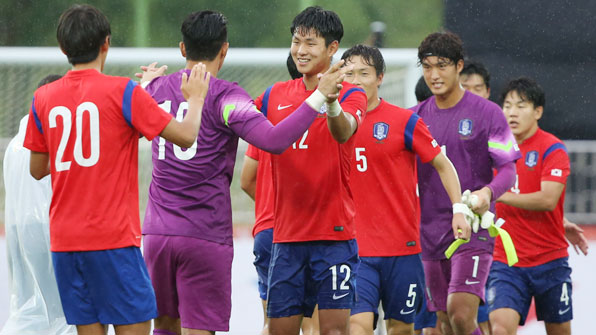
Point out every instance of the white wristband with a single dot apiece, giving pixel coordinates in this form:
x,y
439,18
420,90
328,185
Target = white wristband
x,y
333,109
460,208
316,100
145,84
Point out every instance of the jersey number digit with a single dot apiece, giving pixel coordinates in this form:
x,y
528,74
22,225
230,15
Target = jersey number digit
x,y
411,296
66,116
343,268
181,154
565,295
360,157
301,145
475,270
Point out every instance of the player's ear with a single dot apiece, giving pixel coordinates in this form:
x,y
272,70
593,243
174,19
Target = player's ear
x,y
106,44
380,79
332,48
459,65
223,52
538,112
182,49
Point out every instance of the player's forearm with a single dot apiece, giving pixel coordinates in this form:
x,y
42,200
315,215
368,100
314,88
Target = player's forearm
x,y
342,127
448,176
535,201
503,180
276,139
184,134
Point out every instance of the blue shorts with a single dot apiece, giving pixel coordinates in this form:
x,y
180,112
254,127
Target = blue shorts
x,y
304,274
262,251
482,312
384,279
105,286
425,318
549,284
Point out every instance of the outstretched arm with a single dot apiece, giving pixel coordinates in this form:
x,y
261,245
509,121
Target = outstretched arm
x,y
575,236
450,180
503,180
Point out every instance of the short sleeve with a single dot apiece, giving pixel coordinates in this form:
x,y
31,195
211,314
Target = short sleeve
x,y
34,139
252,152
423,143
143,113
555,164
353,101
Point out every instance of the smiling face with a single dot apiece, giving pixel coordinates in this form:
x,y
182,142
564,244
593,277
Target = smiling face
x,y
309,52
441,74
365,76
522,116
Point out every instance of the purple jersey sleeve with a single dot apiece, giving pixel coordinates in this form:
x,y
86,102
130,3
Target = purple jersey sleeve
x,y
502,146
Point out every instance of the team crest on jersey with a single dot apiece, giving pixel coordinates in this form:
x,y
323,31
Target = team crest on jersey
x,y
380,130
531,159
465,127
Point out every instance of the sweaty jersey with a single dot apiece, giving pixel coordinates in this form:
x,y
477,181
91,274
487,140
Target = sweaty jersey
x,y
538,236
189,193
383,180
476,137
264,190
313,200
90,124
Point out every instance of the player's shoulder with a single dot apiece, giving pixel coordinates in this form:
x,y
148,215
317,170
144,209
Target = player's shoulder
x,y
394,111
424,106
549,142
348,90
291,85
482,104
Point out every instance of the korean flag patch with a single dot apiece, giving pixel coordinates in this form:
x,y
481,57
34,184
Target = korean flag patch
x,y
465,127
380,130
556,172
531,159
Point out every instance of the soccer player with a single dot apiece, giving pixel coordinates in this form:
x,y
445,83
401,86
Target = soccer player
x,y
533,213
256,181
474,77
34,301
84,130
188,221
314,256
473,133
383,182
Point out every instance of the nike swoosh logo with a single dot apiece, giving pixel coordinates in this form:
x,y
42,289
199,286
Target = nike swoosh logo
x,y
280,107
561,312
335,297
405,313
471,282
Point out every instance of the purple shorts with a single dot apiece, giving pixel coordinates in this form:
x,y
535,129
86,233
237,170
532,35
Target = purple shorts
x,y
466,271
192,279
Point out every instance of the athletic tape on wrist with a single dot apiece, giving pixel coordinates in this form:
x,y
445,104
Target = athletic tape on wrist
x,y
333,109
460,208
316,100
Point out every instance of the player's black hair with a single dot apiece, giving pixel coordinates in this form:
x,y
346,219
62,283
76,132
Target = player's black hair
x,y
203,34
48,79
370,55
292,70
527,89
472,67
441,44
324,23
82,30
422,91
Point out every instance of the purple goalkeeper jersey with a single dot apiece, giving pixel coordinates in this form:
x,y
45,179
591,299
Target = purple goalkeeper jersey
x,y
476,137
189,193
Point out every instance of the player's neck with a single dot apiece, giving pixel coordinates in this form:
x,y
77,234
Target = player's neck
x,y
373,103
450,99
310,81
520,138
96,65
212,66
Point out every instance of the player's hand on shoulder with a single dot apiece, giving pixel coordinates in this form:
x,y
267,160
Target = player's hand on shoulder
x,y
330,82
196,84
481,200
150,72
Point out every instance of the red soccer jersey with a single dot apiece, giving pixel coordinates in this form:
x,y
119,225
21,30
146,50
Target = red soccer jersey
x,y
538,236
264,190
313,200
383,180
90,123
